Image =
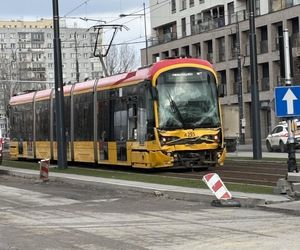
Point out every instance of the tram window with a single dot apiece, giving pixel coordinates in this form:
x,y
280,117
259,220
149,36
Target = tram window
x,y
26,122
132,120
42,120
120,120
103,121
67,109
83,117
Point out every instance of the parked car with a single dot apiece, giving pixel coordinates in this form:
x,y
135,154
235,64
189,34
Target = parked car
x,y
278,138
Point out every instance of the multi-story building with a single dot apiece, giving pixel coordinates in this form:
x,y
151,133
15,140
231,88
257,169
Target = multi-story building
x,y
210,30
27,58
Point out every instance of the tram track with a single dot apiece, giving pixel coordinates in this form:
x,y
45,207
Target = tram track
x,y
242,172
237,171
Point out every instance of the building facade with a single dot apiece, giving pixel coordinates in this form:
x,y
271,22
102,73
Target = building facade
x,y
218,31
27,58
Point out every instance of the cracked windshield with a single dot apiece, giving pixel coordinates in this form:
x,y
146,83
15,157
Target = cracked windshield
x,y
187,99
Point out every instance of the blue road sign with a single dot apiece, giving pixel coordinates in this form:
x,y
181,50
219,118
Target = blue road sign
x,y
287,101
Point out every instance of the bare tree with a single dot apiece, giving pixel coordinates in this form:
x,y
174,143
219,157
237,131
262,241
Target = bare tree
x,y
120,59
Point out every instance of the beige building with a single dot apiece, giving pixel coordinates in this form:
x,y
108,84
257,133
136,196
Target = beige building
x,y
208,30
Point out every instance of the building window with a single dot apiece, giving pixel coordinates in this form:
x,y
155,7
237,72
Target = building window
x,y
193,24
183,5
201,1
183,27
192,3
173,6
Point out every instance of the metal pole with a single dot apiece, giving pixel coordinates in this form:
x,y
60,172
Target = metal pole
x,y
240,84
76,53
292,165
256,134
146,40
59,92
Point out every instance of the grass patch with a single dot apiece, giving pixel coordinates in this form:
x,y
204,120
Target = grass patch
x,y
149,177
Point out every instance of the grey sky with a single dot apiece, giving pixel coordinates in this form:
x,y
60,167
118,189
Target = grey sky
x,y
19,9
107,10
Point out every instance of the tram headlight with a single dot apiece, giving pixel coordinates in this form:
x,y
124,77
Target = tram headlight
x,y
213,138
167,139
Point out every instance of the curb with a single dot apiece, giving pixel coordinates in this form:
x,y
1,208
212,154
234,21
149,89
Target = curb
x,y
167,191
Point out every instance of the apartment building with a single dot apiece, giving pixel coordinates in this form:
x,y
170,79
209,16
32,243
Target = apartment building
x,y
210,30
27,58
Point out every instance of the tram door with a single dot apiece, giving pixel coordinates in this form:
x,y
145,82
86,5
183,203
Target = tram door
x,y
103,127
121,128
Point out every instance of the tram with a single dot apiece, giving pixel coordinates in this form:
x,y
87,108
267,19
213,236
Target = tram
x,y
165,115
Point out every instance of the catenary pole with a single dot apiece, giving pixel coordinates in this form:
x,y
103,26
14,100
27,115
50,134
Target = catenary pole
x,y
59,92
76,54
255,107
240,83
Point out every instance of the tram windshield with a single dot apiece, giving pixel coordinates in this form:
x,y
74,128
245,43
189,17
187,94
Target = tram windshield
x,y
187,99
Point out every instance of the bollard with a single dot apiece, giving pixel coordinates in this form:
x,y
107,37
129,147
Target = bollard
x,y
44,169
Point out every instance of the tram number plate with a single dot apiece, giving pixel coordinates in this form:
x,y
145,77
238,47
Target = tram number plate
x,y
190,134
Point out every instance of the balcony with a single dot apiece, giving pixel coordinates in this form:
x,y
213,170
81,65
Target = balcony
x,y
281,4
238,17
40,69
168,37
208,25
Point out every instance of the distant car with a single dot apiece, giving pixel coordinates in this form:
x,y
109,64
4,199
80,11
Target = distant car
x,y
278,138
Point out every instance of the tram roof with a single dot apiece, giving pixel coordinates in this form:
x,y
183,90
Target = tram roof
x,y
145,73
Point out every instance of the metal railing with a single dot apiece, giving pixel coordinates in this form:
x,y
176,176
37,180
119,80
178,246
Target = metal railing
x,y
163,38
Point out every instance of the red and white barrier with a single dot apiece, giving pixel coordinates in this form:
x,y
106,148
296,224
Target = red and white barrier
x,y
215,184
44,169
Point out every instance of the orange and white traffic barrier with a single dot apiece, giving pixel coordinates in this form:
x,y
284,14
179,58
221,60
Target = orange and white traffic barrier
x,y
44,169
216,185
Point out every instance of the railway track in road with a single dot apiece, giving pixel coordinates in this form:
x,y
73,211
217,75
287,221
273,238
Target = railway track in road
x,y
264,173
247,172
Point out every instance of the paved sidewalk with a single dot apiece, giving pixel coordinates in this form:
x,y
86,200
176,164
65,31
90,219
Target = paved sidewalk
x,y
278,203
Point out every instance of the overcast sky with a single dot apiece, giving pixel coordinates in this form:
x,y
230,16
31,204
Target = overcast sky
x,y
106,10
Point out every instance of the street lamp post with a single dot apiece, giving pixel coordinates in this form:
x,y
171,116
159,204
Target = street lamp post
x,y
145,28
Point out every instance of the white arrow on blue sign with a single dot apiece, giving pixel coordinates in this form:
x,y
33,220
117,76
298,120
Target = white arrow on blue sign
x,y
287,101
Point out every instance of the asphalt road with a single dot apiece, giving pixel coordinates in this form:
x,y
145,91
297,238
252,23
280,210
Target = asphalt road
x,y
56,215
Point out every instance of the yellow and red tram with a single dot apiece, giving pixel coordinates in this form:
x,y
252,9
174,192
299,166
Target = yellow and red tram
x,y
162,116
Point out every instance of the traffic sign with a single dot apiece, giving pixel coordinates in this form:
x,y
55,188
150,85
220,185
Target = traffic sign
x,y
287,101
